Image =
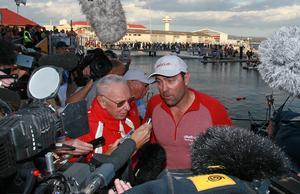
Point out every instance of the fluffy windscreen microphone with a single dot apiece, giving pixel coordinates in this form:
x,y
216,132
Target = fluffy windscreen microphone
x,y
106,17
280,60
67,61
237,152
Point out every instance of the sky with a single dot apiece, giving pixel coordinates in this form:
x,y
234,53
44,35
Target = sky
x,y
235,17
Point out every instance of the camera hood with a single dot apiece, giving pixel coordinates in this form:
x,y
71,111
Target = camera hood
x,y
44,82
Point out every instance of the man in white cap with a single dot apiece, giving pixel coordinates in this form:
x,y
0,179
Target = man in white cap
x,y
138,83
179,113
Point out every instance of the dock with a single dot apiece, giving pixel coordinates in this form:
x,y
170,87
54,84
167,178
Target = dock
x,y
186,55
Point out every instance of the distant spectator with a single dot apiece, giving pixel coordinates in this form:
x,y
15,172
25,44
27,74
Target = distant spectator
x,y
28,42
138,84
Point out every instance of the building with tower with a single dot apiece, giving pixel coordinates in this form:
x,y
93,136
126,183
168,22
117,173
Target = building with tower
x,y
166,20
139,33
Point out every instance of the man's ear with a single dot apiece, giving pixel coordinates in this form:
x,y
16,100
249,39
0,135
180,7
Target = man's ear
x,y
101,101
186,78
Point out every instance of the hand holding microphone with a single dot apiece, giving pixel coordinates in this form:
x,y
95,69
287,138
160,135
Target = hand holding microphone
x,y
81,147
142,134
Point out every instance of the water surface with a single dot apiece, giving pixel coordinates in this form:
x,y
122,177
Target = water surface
x,y
227,82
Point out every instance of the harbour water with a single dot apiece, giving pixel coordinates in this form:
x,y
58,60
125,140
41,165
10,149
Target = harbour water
x,y
240,90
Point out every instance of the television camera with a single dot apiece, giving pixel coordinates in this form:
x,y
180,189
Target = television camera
x,y
28,136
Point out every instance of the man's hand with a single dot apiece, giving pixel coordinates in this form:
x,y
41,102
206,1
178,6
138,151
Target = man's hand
x,y
82,148
142,135
4,83
120,186
86,71
19,71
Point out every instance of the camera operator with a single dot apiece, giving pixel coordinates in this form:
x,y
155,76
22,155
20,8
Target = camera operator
x,y
9,73
7,62
95,68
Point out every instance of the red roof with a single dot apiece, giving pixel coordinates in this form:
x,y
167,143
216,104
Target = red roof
x,y
136,26
11,18
86,23
81,23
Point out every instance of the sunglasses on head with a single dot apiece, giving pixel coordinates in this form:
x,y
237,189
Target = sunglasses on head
x,y
121,103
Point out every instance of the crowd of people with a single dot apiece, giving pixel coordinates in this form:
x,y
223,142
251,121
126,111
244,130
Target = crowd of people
x,y
181,117
29,35
193,49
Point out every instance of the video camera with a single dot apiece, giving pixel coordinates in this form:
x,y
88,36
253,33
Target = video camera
x,y
26,135
99,65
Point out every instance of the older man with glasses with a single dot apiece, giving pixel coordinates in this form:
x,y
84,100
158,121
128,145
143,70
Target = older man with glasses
x,y
108,115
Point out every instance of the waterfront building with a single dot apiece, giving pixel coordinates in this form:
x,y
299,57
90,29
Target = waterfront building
x,y
139,33
219,37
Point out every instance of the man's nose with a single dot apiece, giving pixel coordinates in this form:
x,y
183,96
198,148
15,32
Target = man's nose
x,y
164,87
127,106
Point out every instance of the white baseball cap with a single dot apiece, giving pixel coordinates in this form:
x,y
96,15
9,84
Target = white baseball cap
x,y
138,74
169,65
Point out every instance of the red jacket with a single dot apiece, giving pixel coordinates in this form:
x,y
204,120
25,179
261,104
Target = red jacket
x,y
101,123
133,115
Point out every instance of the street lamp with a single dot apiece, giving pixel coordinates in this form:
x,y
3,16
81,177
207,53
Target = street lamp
x,y
18,3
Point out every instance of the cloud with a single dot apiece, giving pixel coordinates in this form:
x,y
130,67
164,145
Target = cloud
x,y
263,5
193,20
42,11
214,5
188,5
260,17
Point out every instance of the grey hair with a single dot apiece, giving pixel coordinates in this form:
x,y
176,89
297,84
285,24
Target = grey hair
x,y
103,85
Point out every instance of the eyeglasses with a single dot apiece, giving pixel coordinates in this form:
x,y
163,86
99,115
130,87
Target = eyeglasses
x,y
122,103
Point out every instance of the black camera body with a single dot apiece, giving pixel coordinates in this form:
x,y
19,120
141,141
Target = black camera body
x,y
29,133
25,134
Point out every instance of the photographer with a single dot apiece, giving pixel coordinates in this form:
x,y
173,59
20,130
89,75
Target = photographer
x,y
9,74
7,62
93,66
8,66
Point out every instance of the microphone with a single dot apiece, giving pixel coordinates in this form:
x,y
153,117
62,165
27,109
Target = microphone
x,y
67,61
280,64
99,178
107,18
118,158
12,76
102,175
237,152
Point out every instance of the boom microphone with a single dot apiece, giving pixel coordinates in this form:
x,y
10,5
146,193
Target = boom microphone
x,y
107,166
106,17
67,61
280,62
237,152
119,156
